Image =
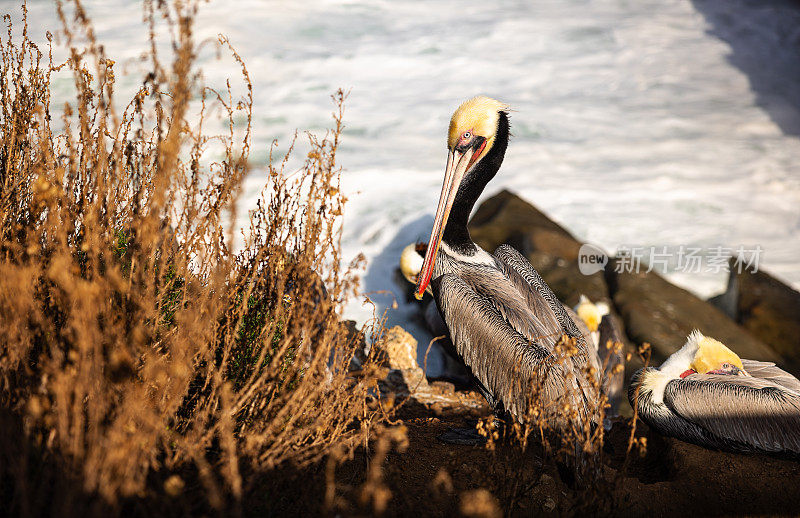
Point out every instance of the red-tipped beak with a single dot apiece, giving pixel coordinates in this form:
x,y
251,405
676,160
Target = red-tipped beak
x,y
458,164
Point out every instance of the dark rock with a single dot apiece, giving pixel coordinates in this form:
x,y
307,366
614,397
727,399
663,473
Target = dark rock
x,y
729,299
566,280
770,310
662,314
507,218
352,333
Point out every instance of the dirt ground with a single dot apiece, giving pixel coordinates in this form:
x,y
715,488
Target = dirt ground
x,y
431,478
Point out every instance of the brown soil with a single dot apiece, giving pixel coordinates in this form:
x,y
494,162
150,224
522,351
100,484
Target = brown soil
x,y
430,478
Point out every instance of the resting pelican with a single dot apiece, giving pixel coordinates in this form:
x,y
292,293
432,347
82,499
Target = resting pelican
x,y
504,321
707,395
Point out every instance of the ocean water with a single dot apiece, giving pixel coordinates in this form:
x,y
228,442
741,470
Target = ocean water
x,y
647,122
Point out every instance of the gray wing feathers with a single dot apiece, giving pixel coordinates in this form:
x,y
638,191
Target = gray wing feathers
x,y
495,289
610,357
509,257
769,371
510,365
746,410
542,301
664,419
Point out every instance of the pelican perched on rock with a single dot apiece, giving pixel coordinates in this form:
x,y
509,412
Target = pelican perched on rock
x,y
705,394
606,338
503,319
591,314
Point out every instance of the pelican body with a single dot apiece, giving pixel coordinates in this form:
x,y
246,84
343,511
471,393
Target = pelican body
x,y
606,338
705,394
504,321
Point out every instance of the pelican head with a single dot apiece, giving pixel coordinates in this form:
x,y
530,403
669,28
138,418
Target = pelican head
x,y
590,312
703,355
411,261
471,137
699,355
713,357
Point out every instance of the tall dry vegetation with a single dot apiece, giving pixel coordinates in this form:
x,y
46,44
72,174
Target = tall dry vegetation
x,y
141,348
567,422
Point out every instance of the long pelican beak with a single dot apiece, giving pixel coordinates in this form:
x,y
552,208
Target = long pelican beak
x,y
458,163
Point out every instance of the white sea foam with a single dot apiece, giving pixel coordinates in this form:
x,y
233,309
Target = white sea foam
x,y
634,122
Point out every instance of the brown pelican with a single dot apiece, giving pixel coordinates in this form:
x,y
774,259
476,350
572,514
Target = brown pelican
x,y
611,355
411,261
604,333
607,341
591,314
504,321
705,394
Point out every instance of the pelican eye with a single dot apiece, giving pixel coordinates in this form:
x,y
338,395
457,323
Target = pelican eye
x,y
467,135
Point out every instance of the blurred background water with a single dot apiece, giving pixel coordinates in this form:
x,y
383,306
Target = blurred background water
x,y
647,122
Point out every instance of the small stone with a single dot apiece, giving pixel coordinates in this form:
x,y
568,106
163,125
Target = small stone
x,y
360,355
444,386
400,348
480,503
405,381
174,485
414,378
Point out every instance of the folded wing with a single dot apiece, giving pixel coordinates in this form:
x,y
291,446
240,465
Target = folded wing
x,y
749,410
513,367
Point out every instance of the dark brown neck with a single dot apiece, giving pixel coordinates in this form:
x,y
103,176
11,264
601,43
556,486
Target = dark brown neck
x,y
456,234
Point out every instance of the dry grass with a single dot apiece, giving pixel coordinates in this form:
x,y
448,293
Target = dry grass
x,y
568,430
144,354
